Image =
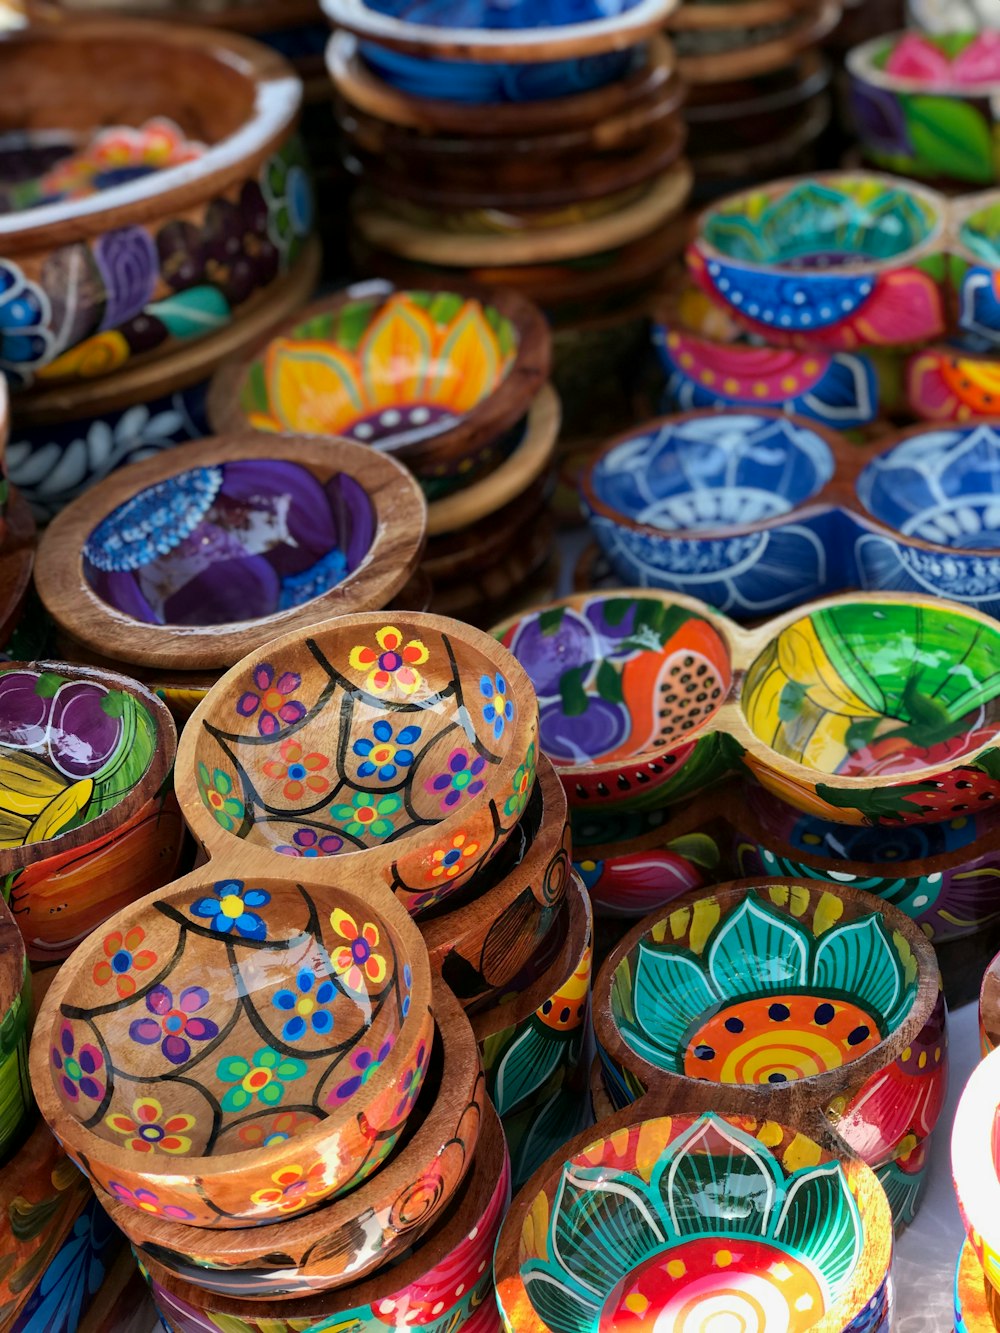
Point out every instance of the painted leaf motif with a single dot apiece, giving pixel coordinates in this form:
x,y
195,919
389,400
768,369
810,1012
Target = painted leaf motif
x,y
560,1305
858,959
820,1219
757,951
950,136
193,313
597,1232
706,1186
670,993
526,1066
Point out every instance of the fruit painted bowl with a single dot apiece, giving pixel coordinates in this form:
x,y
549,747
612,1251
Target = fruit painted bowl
x,y
768,997
194,558
393,750
170,1044
152,231
923,105
836,261
446,1279
434,377
343,1241
628,684
696,1221
88,822
975,1164
734,508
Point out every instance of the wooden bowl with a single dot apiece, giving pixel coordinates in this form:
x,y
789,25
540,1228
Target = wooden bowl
x,y
368,1228
89,821
448,1273
778,998
247,995
433,377
392,744
653,1184
975,1170
194,558
171,255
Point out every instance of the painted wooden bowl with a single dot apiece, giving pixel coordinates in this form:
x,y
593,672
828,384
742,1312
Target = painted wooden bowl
x,y
170,1045
977,1303
433,377
780,998
370,1227
446,1278
693,1220
89,823
836,261
393,745
151,232
193,558
976,1169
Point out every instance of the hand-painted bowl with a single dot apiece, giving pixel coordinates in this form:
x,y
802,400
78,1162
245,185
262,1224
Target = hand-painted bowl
x,y
698,1221
124,240
16,1102
768,997
445,1280
173,1040
368,1228
734,508
952,382
214,548
923,105
977,1302
625,683
975,1164
388,746
434,377
838,261
88,822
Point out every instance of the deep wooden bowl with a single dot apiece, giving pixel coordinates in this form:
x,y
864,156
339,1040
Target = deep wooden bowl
x,y
199,555
390,747
205,1011
449,1273
89,821
160,256
368,1228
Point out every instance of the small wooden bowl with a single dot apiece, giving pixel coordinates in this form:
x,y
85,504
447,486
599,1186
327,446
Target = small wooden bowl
x,y
977,1302
653,1184
800,999
90,824
974,1167
226,986
16,1014
194,558
449,1273
393,742
173,254
368,1228
432,377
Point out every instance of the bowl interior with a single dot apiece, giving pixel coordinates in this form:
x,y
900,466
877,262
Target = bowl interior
x,y
493,14
381,370
816,225
741,989
869,689
713,473
227,1016
620,677
231,542
353,738
71,749
682,1223
963,62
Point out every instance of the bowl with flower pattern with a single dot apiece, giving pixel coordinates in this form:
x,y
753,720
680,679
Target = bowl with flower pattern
x,y
769,997
230,1001
975,1164
392,747
698,1221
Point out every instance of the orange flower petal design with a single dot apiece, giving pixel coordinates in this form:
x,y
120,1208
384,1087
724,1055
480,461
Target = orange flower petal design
x,y
396,356
313,761
126,987
146,958
470,365
317,784
133,938
314,387
102,973
112,943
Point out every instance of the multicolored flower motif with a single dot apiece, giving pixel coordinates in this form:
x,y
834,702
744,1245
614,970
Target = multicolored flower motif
x,y
116,155
148,1130
459,780
148,1202
174,1026
300,772
394,665
307,842
292,1188
229,910
364,1063
216,791
77,1069
263,1076
368,815
385,755
524,780
307,1006
411,1083
499,707
357,961
447,862
271,701
283,1127
122,957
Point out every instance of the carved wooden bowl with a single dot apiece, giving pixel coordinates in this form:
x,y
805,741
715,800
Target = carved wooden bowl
x,y
89,823
193,558
975,1166
168,1049
807,1245
343,1241
211,207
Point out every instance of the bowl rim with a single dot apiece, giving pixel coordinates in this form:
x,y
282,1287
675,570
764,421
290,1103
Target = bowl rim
x,y
277,102
801,32
734,14
974,1171
860,62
